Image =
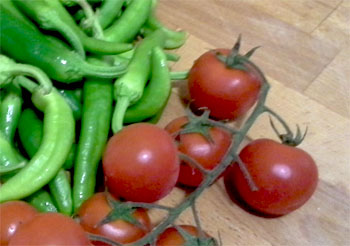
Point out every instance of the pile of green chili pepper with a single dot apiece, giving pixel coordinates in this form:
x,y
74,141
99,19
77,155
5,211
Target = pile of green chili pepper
x,y
72,73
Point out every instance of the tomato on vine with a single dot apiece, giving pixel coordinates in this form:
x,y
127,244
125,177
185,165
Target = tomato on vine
x,y
189,235
106,217
286,177
220,81
207,151
13,215
140,163
50,229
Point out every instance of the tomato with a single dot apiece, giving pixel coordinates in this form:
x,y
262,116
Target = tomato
x,y
141,163
172,237
12,215
95,209
286,177
207,154
227,92
50,229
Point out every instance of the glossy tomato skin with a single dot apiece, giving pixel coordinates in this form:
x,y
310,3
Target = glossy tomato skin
x,y
286,177
14,214
96,208
207,154
171,236
228,93
141,163
50,229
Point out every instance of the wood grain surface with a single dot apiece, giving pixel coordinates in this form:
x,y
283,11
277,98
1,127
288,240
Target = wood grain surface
x,y
305,55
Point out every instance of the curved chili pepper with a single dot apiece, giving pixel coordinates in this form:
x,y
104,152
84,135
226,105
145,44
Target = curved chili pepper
x,y
30,131
95,125
129,87
130,22
61,192
156,93
57,140
109,10
10,111
9,160
26,44
51,15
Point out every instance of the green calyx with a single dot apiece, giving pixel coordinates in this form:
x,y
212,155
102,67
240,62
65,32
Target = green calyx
x,y
289,138
234,60
198,124
120,211
195,241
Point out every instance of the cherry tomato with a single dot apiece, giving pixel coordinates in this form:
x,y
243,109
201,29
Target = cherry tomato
x,y
286,177
50,229
141,163
207,154
95,209
172,237
12,215
228,93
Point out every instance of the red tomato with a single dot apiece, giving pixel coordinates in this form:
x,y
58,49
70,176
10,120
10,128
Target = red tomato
x,y
141,163
228,93
197,147
171,236
95,209
286,177
50,229
12,215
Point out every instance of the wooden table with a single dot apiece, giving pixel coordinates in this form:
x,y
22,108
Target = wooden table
x,y
305,55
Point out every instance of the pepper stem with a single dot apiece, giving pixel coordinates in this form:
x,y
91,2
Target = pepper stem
x,y
36,73
179,75
70,35
26,83
122,104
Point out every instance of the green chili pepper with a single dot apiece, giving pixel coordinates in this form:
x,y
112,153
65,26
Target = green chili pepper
x,y
10,111
8,4
156,93
130,22
129,87
96,117
70,3
61,192
57,141
73,101
30,131
174,39
51,15
68,164
28,45
9,160
109,10
42,201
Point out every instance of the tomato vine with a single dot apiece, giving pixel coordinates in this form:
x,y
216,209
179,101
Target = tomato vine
x,y
212,175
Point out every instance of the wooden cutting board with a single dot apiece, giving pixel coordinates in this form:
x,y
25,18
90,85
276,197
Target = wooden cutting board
x,y
305,55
